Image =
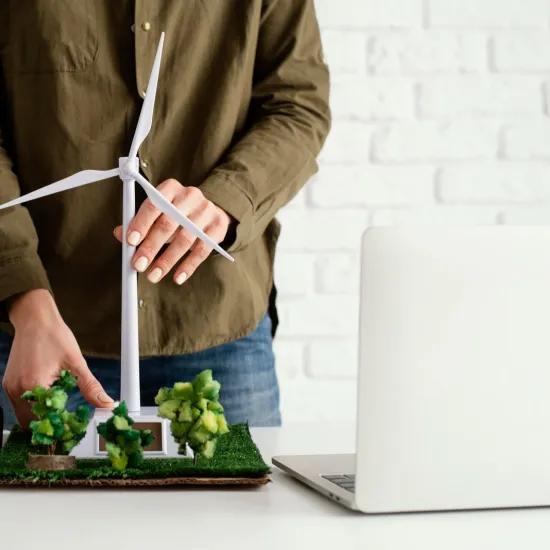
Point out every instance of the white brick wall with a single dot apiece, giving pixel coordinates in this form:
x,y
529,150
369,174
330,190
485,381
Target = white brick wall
x,y
441,115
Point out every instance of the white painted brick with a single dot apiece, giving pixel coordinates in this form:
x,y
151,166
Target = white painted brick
x,y
440,215
369,13
308,400
293,273
528,141
481,96
322,229
332,359
488,13
370,185
321,315
481,77
522,51
495,182
372,99
345,51
526,215
337,273
289,357
347,142
426,52
431,141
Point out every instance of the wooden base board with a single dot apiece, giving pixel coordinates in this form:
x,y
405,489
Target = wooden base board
x,y
138,483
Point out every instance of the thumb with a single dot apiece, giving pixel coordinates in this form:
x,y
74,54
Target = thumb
x,y
117,232
90,387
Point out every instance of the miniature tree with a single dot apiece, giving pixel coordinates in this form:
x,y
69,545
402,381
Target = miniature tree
x,y
56,429
195,413
123,443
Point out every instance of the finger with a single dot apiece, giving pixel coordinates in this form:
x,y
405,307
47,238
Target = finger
x,y
117,232
160,233
199,253
182,243
21,407
163,231
89,385
23,413
147,213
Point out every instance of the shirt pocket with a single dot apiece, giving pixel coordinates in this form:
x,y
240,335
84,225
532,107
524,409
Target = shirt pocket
x,y
47,36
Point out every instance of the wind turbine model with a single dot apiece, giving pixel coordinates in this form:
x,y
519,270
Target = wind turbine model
x,y
128,172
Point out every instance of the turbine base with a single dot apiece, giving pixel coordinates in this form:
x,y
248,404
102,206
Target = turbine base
x,y
163,446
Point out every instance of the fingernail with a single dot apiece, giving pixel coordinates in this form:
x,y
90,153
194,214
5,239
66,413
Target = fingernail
x,y
104,398
155,275
180,279
134,237
141,263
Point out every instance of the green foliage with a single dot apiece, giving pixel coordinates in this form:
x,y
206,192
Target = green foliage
x,y
56,428
124,444
195,413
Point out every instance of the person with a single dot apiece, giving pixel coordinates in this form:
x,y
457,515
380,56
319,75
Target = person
x,y
241,113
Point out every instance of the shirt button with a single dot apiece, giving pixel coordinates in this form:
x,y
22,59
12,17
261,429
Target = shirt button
x,y
141,303
144,163
146,26
142,93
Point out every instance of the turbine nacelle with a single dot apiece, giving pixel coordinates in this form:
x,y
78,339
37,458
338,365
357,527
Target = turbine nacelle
x,y
127,168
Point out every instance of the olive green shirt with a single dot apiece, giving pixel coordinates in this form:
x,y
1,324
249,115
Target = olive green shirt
x,y
241,111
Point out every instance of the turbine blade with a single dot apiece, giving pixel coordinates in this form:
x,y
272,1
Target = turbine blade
x,y
145,120
76,180
165,206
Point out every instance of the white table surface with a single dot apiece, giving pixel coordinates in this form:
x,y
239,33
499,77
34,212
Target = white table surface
x,y
283,515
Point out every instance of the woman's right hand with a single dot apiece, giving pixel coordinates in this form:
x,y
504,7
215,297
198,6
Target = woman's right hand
x,y
42,347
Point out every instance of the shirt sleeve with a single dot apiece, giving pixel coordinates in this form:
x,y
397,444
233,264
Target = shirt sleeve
x,y
20,266
289,119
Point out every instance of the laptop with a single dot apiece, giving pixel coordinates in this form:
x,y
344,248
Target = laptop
x,y
453,407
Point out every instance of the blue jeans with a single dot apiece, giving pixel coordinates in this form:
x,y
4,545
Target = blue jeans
x,y
245,368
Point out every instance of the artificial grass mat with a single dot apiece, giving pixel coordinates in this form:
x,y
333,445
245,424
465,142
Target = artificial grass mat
x,y
236,456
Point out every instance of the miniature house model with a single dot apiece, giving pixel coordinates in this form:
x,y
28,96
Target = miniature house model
x,y
128,171
145,418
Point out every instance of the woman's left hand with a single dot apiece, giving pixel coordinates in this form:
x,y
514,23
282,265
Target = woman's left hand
x,y
150,230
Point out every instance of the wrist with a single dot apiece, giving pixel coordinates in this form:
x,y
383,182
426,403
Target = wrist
x,y
32,306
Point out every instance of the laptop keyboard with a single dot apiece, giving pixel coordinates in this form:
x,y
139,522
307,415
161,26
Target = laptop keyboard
x,y
345,481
